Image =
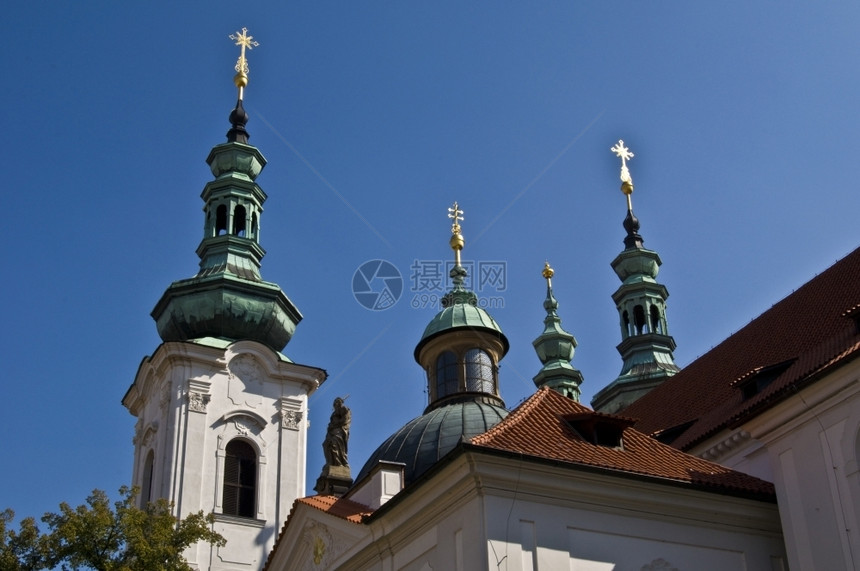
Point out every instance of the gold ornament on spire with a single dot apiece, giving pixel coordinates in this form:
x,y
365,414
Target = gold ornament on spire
x,y
243,40
457,241
625,155
547,273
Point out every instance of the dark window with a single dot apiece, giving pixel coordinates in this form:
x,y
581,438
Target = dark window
x,y
656,326
639,319
146,485
253,225
221,220
239,221
479,372
446,374
625,317
240,479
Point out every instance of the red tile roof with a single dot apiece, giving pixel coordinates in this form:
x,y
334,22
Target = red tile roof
x,y
338,507
542,428
809,333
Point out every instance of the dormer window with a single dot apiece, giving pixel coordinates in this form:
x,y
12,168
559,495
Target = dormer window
x,y
600,429
760,378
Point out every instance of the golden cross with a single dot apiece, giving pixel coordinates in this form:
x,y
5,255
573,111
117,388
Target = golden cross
x,y
243,40
625,155
456,215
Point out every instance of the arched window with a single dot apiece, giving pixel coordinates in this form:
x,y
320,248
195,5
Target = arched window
x,y
479,372
656,325
639,319
253,225
239,221
446,374
625,317
146,484
240,479
221,220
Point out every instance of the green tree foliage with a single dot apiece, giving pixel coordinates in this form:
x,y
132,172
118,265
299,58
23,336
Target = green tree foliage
x,y
97,536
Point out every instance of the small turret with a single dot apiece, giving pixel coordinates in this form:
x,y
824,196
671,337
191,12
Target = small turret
x,y
646,346
555,348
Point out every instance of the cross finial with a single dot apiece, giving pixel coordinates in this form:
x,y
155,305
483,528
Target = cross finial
x,y
625,155
455,214
457,241
243,40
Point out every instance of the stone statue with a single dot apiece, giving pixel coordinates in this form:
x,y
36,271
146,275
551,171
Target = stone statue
x,y
337,436
335,477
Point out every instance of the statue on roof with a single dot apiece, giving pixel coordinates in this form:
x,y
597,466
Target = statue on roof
x,y
337,436
336,477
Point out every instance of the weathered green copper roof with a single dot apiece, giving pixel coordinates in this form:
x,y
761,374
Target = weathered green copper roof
x,y
460,311
226,307
423,441
228,298
555,348
646,348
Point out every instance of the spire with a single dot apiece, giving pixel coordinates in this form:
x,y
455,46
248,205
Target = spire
x,y
462,345
555,348
646,346
458,294
239,117
228,298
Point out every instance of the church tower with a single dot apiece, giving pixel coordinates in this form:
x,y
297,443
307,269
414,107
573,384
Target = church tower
x,y
221,412
646,346
555,348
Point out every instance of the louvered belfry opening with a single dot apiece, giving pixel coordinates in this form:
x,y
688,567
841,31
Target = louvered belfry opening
x,y
240,479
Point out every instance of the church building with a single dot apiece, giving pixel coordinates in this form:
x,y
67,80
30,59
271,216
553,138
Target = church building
x,y
747,458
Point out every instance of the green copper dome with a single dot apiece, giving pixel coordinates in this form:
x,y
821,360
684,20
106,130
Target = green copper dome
x,y
423,441
228,298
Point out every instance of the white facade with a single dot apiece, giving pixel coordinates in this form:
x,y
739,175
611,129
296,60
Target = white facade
x,y
485,511
808,446
191,400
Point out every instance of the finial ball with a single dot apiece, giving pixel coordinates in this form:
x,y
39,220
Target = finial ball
x,y
241,80
627,187
547,272
457,241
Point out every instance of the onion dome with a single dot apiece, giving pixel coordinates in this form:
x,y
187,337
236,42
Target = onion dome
x,y
228,299
460,351
555,348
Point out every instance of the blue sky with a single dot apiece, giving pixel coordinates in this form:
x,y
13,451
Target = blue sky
x,y
374,118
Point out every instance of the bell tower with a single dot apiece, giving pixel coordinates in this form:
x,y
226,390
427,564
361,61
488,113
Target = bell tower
x,y
646,346
221,411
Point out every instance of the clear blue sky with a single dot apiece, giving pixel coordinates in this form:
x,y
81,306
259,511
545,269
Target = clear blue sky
x,y
374,118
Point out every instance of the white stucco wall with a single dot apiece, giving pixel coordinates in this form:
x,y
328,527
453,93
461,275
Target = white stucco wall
x,y
191,399
488,512
808,447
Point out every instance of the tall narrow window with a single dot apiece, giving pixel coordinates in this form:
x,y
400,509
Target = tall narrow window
x,y
253,225
656,324
240,479
446,374
639,319
239,221
479,372
146,484
221,220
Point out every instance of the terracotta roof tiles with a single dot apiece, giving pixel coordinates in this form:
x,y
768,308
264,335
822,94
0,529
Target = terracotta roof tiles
x,y
809,331
542,428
